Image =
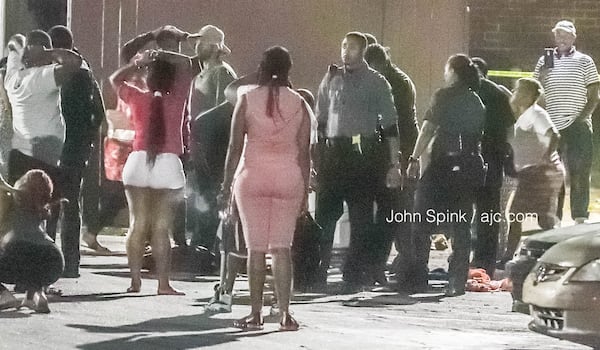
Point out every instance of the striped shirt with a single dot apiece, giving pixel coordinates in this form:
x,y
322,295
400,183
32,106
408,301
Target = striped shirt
x,y
565,86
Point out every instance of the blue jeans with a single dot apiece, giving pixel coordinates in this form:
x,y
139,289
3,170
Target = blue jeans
x,y
576,151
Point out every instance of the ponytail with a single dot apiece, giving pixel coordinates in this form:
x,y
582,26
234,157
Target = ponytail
x,y
273,72
273,98
155,132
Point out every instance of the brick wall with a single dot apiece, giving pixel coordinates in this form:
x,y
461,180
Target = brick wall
x,y
511,34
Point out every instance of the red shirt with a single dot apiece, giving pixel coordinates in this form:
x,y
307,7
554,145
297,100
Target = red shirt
x,y
176,114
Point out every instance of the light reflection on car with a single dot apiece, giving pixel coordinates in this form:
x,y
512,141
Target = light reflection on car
x,y
563,290
531,248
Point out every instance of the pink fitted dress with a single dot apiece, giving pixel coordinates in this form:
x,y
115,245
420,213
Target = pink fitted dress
x,y
269,186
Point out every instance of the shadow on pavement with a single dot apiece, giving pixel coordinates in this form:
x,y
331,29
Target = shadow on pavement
x,y
147,337
76,298
391,299
14,313
104,266
176,276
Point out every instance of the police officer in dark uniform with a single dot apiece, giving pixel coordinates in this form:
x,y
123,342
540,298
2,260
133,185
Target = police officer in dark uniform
x,y
353,102
401,199
494,147
446,192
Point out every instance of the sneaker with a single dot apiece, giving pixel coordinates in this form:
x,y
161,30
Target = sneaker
x,y
580,220
221,305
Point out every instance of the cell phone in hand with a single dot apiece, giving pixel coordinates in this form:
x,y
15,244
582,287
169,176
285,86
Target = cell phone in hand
x,y
548,57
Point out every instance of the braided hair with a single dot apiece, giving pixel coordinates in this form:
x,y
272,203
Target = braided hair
x,y
161,76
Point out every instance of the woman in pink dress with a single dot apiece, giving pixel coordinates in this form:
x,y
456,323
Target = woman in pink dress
x,y
271,183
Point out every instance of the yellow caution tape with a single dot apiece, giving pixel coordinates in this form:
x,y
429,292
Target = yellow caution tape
x,y
509,74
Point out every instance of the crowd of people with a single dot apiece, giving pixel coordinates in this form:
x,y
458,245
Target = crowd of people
x,y
188,131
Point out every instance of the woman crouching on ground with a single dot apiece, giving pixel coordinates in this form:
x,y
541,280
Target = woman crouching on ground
x,y
28,256
153,174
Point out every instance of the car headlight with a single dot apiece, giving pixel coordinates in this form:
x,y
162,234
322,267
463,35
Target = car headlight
x,y
589,272
545,272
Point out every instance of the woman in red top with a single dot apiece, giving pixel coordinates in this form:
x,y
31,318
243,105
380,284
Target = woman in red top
x,y
153,174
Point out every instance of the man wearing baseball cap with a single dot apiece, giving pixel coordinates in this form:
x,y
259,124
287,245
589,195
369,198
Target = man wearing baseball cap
x,y
216,74
570,81
208,92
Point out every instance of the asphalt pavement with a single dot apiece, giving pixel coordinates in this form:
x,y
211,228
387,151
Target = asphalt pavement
x,y
94,312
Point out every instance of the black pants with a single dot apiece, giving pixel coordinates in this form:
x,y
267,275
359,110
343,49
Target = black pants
x,y
112,200
486,244
576,150
180,222
71,216
447,209
207,219
31,265
356,177
402,233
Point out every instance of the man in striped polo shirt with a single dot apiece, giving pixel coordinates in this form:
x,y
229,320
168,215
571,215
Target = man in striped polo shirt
x,y
571,95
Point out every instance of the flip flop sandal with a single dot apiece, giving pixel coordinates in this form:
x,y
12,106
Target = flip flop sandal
x,y
248,324
289,324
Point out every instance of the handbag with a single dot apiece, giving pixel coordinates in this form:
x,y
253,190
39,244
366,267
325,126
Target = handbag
x,y
305,251
230,231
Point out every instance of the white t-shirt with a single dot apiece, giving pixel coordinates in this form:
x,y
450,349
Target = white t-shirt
x,y
529,138
39,129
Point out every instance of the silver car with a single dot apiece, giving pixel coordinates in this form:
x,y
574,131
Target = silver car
x,y
563,290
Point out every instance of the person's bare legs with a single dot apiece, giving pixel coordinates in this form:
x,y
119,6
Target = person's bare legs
x,y
162,223
91,241
282,273
256,280
139,227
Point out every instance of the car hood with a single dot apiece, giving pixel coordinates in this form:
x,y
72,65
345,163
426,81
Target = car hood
x,y
560,234
574,251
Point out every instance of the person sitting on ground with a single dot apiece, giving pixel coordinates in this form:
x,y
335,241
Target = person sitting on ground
x,y
28,256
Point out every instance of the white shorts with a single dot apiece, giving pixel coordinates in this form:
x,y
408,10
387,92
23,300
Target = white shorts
x,y
167,172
